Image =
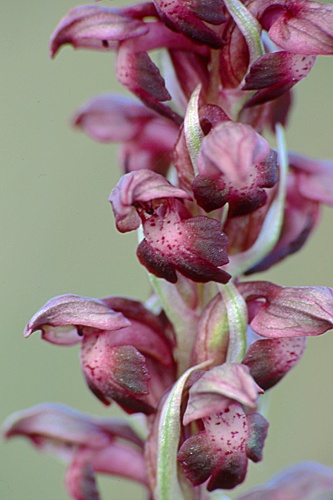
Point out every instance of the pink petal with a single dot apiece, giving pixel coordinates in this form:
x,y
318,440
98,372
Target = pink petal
x,y
62,318
147,138
218,452
55,422
112,118
234,164
94,26
314,177
122,460
137,188
214,390
60,423
289,311
89,444
304,27
306,481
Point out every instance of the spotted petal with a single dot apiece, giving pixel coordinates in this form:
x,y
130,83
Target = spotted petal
x,y
220,452
270,360
274,74
196,247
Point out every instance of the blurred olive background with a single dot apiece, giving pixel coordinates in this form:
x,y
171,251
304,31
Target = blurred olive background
x,y
58,236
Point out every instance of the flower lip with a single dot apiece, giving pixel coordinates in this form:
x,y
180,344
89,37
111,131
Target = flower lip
x,y
220,452
235,164
194,246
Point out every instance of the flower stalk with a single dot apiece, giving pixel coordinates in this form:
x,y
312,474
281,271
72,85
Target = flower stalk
x,y
213,202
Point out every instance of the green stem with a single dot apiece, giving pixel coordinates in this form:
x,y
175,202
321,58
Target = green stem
x,y
192,128
249,27
237,319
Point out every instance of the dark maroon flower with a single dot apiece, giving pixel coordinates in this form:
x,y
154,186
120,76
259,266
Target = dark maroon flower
x,y
140,189
197,358
220,452
230,434
123,346
274,74
174,241
194,246
306,480
235,165
270,360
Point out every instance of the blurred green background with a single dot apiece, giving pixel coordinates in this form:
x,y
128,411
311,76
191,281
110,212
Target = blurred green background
x,y
58,236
